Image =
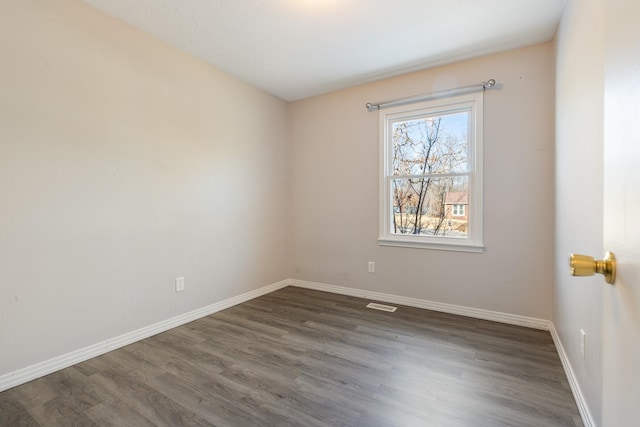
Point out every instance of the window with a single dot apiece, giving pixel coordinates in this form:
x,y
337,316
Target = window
x,y
431,174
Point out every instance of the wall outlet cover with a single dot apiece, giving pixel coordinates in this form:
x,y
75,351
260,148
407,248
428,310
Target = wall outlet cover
x,y
179,284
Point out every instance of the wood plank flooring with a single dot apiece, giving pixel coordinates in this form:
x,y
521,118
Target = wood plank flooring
x,y
307,358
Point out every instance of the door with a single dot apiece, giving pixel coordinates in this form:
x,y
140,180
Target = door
x,y
621,309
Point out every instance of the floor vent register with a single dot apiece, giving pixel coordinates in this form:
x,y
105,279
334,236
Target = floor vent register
x,y
382,307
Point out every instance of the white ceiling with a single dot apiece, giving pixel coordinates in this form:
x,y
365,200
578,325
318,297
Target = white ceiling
x,y
299,48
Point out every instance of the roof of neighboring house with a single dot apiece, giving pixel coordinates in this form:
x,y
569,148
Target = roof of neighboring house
x,y
457,198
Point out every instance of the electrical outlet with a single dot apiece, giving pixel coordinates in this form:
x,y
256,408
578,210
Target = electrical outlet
x,y
179,284
371,267
583,339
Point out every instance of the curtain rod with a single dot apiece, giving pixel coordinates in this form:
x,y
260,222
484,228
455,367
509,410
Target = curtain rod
x,y
378,105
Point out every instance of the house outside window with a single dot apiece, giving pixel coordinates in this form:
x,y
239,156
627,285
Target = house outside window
x,y
431,174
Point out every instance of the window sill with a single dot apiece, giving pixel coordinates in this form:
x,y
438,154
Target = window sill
x,y
449,245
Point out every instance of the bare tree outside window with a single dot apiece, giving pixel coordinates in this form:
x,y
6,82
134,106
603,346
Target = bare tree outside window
x,y
429,162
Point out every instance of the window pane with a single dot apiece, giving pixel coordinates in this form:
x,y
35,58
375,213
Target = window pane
x,y
430,145
425,206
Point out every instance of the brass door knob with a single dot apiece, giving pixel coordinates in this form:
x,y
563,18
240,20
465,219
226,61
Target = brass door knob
x,y
583,265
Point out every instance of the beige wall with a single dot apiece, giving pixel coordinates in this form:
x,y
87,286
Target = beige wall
x,y
579,190
334,161
124,164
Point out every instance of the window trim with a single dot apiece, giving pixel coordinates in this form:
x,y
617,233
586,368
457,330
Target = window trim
x,y
474,241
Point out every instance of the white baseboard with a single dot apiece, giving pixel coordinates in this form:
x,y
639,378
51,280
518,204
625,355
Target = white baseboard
x,y
496,316
587,418
32,372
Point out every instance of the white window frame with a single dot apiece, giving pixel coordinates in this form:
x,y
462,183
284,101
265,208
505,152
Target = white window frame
x,y
457,210
474,240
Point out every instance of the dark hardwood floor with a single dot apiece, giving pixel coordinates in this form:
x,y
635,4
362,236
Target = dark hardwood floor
x,y
308,358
